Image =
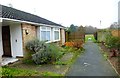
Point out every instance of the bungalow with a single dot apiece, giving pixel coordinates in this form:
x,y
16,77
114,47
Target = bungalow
x,y
18,27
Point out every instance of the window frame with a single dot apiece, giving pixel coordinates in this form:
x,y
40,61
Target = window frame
x,y
55,29
46,29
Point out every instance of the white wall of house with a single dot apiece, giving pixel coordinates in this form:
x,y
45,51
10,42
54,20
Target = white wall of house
x,y
1,47
16,40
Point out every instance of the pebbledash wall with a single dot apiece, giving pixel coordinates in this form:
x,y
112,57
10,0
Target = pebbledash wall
x,y
16,40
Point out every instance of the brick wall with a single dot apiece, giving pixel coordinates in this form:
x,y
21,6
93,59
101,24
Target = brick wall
x,y
62,37
32,33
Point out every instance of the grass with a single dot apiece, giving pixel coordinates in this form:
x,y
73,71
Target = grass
x,y
11,72
0,72
50,74
7,71
71,60
89,36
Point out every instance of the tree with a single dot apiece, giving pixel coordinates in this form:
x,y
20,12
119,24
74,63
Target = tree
x,y
81,29
115,25
72,28
90,29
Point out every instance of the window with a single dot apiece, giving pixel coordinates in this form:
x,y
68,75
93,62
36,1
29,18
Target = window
x,y
45,33
56,34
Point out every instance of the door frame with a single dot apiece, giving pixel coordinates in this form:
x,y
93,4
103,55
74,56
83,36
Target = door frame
x,y
9,40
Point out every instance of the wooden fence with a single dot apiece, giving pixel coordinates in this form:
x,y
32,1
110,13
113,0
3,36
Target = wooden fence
x,y
115,33
74,36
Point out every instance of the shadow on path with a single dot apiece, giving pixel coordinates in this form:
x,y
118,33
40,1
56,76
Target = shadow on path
x,y
91,63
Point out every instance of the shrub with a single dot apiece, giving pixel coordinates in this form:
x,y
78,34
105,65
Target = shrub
x,y
41,57
76,43
113,42
43,52
55,51
35,45
50,54
69,44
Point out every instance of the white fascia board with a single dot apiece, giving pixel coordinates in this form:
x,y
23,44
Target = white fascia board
x,y
0,19
38,24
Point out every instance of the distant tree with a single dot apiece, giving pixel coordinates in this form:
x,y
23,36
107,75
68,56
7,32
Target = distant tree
x,y
115,25
72,28
90,29
81,29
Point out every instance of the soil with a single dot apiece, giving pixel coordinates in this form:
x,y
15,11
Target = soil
x,y
114,60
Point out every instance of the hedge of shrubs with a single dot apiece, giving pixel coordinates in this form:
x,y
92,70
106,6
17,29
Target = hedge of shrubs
x,y
113,42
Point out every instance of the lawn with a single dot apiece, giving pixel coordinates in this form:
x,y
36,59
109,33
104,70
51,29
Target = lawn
x,y
7,71
89,37
10,72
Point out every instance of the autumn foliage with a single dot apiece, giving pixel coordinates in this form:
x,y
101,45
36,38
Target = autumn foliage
x,y
75,43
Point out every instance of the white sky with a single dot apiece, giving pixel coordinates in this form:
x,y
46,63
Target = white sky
x,y
67,12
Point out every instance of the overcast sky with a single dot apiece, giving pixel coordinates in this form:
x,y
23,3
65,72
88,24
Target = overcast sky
x,y
67,12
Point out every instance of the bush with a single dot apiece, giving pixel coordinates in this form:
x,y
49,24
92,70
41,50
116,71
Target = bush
x,y
41,57
75,44
78,44
44,53
113,42
50,54
35,45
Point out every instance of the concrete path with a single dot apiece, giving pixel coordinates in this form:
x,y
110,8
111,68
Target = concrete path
x,y
91,63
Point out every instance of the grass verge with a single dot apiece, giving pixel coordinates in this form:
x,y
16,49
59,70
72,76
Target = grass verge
x,y
11,72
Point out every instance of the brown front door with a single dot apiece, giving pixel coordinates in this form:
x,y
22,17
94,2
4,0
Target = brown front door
x,y
6,41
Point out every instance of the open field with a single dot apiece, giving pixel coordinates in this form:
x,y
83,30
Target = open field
x,y
89,37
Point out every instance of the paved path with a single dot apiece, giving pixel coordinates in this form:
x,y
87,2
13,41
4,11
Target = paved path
x,y
91,63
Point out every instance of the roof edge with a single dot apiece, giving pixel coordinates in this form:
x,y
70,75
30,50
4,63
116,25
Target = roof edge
x,y
38,24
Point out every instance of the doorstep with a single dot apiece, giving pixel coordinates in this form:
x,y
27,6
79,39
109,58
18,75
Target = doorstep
x,y
8,60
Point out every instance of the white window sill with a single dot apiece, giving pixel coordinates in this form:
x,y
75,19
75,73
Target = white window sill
x,y
52,41
48,42
56,40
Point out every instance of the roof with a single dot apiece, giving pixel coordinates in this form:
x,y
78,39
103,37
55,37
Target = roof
x,y
11,13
